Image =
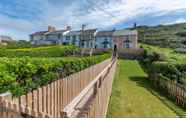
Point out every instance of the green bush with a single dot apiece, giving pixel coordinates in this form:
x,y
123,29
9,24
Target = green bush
x,y
149,56
167,69
181,34
21,75
180,50
157,64
172,71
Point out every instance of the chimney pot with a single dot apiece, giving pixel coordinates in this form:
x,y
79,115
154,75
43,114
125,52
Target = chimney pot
x,y
51,29
83,27
68,28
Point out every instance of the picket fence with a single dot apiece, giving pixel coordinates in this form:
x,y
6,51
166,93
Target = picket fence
x,y
173,89
81,95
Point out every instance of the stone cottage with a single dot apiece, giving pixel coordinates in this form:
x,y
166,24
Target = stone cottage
x,y
125,39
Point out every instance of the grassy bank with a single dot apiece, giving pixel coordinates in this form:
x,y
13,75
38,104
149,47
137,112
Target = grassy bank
x,y
131,97
169,53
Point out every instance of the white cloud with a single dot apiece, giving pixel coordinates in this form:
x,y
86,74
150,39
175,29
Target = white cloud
x,y
122,11
179,20
80,12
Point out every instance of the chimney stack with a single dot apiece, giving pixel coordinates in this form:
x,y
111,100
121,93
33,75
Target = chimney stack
x,y
83,27
68,28
51,29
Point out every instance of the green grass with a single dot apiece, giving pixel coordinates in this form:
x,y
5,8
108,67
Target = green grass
x,y
131,97
168,52
172,36
42,51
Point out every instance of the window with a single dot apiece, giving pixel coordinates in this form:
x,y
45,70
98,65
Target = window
x,y
74,40
32,37
87,44
41,38
91,44
127,37
74,37
67,37
105,43
59,36
127,45
82,44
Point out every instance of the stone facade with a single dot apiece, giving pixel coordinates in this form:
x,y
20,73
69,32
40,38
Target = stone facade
x,y
126,38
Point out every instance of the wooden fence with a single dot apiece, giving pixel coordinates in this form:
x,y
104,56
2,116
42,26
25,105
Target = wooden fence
x,y
174,90
90,87
93,101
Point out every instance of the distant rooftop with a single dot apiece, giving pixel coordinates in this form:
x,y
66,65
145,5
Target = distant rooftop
x,y
56,32
64,30
39,33
104,33
125,32
74,32
5,38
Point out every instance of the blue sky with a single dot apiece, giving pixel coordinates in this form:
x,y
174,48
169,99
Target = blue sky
x,y
19,18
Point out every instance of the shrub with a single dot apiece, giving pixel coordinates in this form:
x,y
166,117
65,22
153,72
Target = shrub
x,y
21,75
180,50
167,69
181,34
149,56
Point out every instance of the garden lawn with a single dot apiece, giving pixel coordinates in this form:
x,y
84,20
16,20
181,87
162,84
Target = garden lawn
x,y
131,97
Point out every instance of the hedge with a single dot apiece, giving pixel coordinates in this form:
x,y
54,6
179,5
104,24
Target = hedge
x,y
45,51
156,63
172,71
21,75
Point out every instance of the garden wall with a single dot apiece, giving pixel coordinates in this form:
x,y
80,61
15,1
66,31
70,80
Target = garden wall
x,y
130,53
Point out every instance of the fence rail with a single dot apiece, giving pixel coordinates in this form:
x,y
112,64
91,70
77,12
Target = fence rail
x,y
99,89
50,101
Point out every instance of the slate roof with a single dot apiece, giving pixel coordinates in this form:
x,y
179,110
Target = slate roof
x,y
89,30
56,32
86,31
74,33
125,32
39,33
104,34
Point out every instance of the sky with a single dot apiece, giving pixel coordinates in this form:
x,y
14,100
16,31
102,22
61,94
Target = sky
x,y
19,18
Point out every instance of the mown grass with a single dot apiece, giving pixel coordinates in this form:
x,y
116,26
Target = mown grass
x,y
131,97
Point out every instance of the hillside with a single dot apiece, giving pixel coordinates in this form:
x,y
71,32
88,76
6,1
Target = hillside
x,y
172,36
